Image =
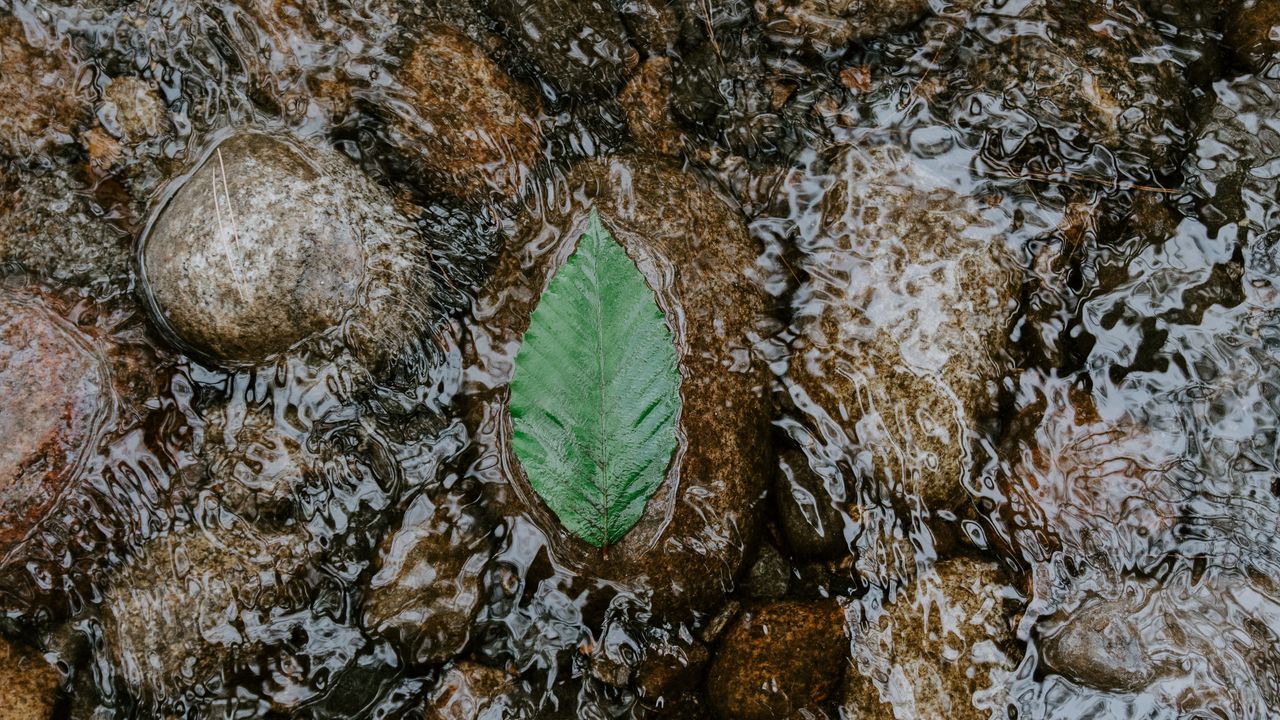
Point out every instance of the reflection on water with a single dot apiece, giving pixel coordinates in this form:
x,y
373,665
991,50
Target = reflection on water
x,y
975,304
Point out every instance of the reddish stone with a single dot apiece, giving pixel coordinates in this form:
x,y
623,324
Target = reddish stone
x,y
55,394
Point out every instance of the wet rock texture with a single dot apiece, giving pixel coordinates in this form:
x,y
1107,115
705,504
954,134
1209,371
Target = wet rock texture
x,y
905,286
1105,490
427,588
780,660
1239,136
1068,79
272,242
579,47
646,100
1166,639
56,391
1251,29
469,691
40,91
132,110
828,27
191,609
472,132
28,684
51,227
943,648
692,248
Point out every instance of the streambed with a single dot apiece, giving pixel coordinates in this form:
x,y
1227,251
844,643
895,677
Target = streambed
x,y
639,358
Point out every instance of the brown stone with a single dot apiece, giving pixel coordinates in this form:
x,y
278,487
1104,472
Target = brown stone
x,y
188,606
828,27
901,332
856,78
428,584
943,648
271,242
470,691
692,247
1092,487
780,660
39,91
132,110
1251,29
28,684
646,100
1083,73
56,395
471,131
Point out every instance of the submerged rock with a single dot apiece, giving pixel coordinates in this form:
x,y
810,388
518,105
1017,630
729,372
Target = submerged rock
x,y
55,389
952,660
579,47
193,610
1199,645
271,243
693,249
470,130
40,91
828,27
780,660
28,684
1238,140
1251,31
1104,491
900,331
469,691
427,589
132,110
1067,84
51,227
1101,646
646,100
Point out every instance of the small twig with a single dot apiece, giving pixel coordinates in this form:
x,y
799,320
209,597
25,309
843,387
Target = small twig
x,y
235,234
711,30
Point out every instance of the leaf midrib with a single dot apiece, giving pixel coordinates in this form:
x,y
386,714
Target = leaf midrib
x,y
602,466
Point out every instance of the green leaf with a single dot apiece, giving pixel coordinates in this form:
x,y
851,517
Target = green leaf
x,y
596,392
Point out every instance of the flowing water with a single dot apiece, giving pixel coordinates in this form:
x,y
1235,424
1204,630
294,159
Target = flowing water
x,y
977,304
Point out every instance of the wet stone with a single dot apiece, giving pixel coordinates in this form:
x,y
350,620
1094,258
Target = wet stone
x,y
51,227
828,27
1251,30
428,586
813,520
1075,85
56,391
685,552
471,131
40,91
470,691
271,243
579,47
770,574
1238,139
28,684
780,660
736,93
132,110
653,25
646,100
1100,646
952,661
900,332
191,611
1104,490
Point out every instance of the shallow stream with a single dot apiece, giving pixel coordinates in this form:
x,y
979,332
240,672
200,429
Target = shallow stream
x,y
973,309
